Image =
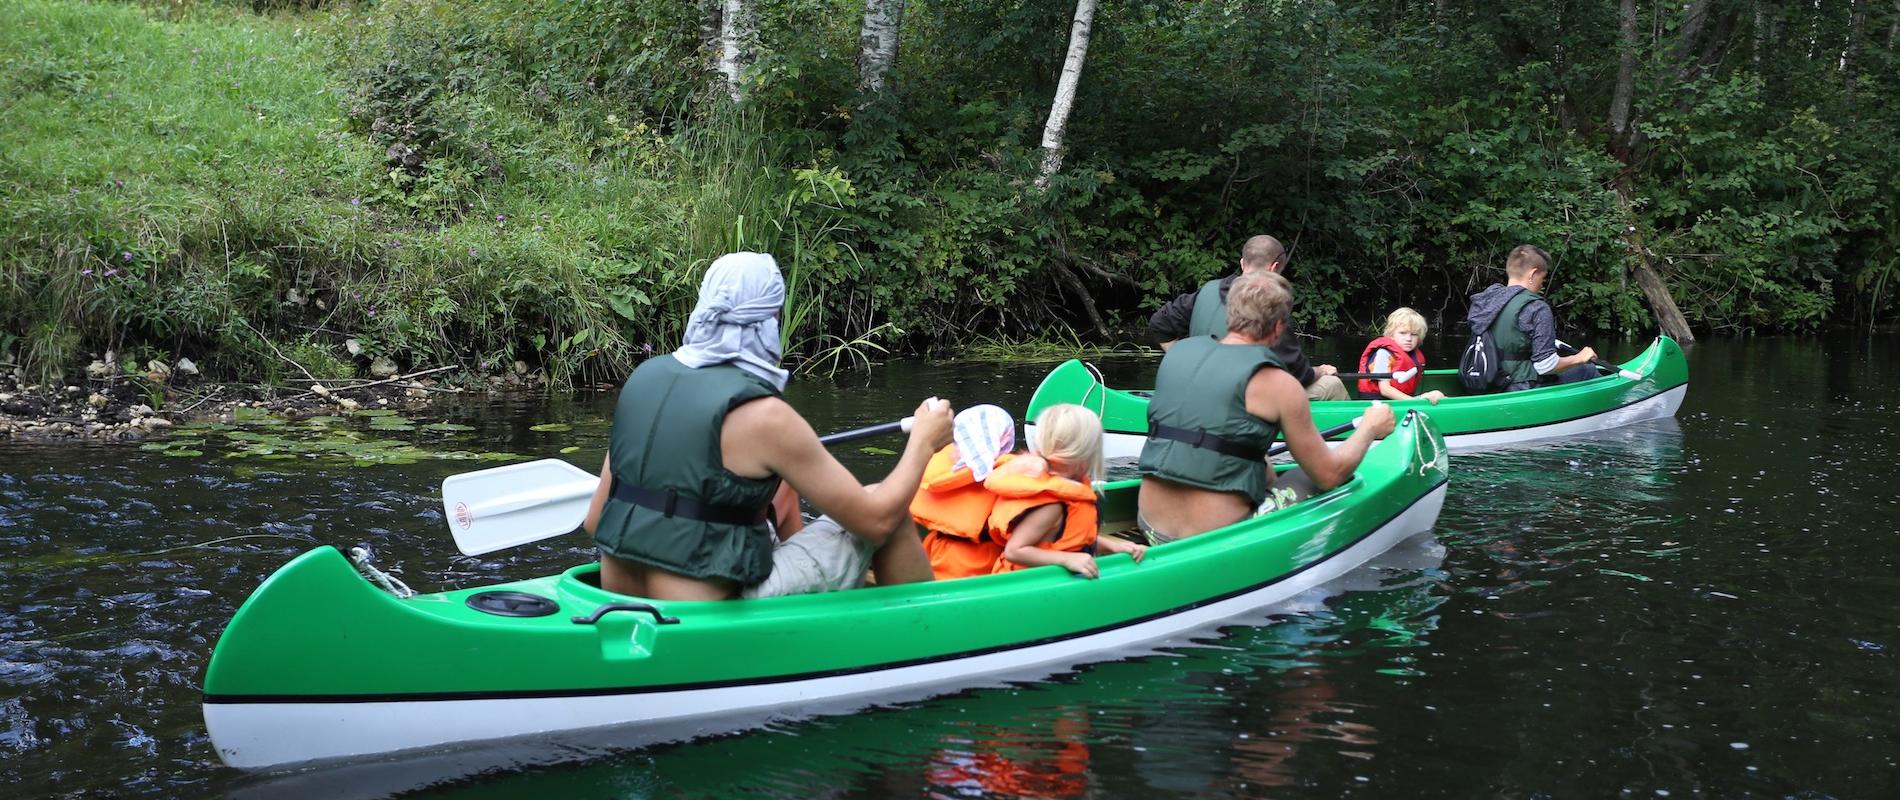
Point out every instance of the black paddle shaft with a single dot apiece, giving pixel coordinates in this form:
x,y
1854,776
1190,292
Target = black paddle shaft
x,y
862,433
1325,434
1367,376
1566,349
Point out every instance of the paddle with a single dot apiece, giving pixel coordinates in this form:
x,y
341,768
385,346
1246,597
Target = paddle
x,y
502,507
1325,434
1603,366
1370,376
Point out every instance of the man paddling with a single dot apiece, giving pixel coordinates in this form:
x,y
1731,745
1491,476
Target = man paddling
x,y
1521,324
1204,313
701,441
1218,404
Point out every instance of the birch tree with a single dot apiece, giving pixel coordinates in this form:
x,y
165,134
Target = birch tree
x,y
738,43
1065,91
877,43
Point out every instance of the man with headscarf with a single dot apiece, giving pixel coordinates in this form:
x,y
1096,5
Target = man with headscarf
x,y
707,461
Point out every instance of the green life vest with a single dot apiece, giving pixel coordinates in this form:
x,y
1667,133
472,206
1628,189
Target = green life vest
x,y
1201,393
1210,312
665,449
1514,348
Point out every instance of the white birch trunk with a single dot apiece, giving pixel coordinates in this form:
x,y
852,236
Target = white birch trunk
x,y
738,44
1065,91
877,43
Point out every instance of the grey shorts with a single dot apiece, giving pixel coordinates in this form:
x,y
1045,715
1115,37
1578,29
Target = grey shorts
x,y
821,558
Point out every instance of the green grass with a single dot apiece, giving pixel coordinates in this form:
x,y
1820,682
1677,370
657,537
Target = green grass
x,y
219,164
1049,346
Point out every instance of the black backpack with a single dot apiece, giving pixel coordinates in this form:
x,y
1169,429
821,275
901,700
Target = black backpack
x,y
1478,367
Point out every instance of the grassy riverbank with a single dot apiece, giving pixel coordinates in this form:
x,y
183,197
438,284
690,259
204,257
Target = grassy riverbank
x,y
191,186
485,182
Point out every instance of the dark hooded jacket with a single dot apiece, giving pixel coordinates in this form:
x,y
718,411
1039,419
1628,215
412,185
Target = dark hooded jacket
x,y
1535,320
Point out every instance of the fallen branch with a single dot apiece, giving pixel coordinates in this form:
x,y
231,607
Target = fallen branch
x,y
273,348
379,383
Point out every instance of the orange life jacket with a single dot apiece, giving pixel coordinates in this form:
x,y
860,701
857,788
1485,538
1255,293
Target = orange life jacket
x,y
954,510
1016,494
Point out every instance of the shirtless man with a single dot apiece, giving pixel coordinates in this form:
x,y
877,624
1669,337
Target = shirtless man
x,y
1218,404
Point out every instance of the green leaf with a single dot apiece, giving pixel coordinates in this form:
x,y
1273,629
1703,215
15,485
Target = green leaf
x,y
551,427
877,451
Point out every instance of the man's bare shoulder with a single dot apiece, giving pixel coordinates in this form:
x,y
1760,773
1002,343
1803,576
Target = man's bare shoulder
x,y
1269,389
765,416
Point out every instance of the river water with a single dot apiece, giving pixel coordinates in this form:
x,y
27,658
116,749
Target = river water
x,y
1703,606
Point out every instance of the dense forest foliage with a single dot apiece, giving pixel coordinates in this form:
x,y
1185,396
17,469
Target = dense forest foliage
x,y
480,181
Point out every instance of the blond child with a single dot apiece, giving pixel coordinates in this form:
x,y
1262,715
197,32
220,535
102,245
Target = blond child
x,y
1397,352
1045,506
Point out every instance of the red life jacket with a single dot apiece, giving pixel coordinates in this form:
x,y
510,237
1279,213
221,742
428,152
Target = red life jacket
x,y
1407,368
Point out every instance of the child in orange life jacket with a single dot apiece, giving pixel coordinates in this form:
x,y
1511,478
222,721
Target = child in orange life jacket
x,y
1045,508
1397,352
951,504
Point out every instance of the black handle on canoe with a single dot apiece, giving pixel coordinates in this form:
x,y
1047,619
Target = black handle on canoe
x,y
1325,434
612,607
1363,376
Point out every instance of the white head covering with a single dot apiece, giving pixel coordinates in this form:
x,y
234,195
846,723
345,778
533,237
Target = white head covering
x,y
736,320
982,435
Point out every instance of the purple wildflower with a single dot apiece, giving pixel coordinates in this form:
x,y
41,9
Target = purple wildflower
x,y
646,347
118,183
471,252
127,255
109,273
356,201
501,217
84,272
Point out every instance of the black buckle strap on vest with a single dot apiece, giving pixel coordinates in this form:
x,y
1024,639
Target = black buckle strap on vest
x,y
1206,441
671,504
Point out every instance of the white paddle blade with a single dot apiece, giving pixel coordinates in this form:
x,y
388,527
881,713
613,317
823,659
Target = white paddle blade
x,y
516,504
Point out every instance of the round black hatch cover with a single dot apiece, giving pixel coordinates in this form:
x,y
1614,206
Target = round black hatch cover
x,y
512,604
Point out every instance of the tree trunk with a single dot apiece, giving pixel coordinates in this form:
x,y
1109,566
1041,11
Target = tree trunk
x,y
710,12
1857,21
877,43
1625,94
738,43
1065,91
1668,317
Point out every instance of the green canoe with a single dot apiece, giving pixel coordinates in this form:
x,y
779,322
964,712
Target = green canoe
x,y
320,665
1649,386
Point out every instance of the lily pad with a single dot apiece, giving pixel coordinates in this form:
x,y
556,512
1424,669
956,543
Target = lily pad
x,y
182,451
375,412
877,451
570,449
447,426
550,427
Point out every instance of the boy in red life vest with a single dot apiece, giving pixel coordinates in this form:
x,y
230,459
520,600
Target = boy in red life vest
x,y
1045,506
1397,352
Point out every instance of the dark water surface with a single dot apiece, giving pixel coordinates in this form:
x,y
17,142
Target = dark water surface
x,y
1705,606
